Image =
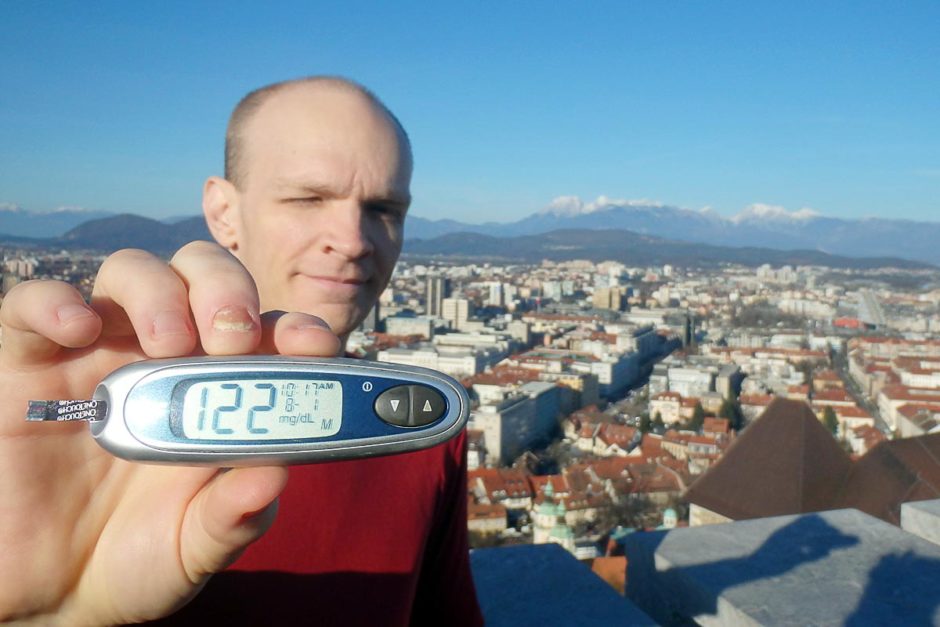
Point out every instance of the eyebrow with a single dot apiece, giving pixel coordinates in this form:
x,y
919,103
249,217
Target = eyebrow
x,y
310,187
327,190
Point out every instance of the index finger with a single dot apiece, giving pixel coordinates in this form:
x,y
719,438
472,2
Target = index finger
x,y
137,294
222,296
40,317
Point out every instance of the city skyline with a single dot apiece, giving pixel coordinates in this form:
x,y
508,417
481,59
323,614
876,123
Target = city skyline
x,y
829,109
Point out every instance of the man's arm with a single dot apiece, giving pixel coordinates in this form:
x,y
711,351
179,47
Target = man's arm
x,y
88,539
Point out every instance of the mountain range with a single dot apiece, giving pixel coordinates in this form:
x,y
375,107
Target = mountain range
x,y
630,248
18,222
762,226
632,231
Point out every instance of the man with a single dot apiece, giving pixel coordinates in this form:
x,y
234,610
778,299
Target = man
x,y
312,211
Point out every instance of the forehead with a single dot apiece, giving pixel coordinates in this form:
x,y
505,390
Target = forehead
x,y
325,132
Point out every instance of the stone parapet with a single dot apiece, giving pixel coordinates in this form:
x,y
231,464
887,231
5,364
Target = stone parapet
x,y
840,567
922,518
544,585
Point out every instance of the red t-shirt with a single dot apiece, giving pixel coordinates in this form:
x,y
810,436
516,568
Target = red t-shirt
x,y
379,541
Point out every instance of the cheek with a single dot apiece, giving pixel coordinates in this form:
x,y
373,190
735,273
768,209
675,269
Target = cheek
x,y
279,238
388,241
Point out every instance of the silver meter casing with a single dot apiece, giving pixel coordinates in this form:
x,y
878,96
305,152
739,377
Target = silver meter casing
x,y
144,399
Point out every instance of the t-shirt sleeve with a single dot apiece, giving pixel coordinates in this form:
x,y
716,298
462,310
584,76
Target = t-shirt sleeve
x,y
446,594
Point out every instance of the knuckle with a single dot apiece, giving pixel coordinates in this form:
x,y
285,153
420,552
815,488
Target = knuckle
x,y
125,256
198,247
21,290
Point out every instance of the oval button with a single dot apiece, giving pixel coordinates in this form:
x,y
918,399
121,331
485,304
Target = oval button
x,y
394,406
427,405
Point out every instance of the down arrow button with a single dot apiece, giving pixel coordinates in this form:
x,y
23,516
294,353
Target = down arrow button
x,y
393,406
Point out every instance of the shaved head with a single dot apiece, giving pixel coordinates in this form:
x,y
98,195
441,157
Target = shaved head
x,y
313,203
236,144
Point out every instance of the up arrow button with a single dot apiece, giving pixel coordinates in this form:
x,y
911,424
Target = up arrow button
x,y
431,403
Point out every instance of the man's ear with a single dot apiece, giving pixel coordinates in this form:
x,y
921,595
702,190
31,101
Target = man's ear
x,y
220,207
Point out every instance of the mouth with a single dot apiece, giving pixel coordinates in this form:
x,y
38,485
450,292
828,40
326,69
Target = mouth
x,y
338,280
338,286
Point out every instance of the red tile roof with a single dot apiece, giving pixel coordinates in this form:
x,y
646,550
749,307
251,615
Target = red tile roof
x,y
559,484
514,483
910,410
826,375
870,436
892,473
904,393
621,435
756,399
479,511
832,395
716,425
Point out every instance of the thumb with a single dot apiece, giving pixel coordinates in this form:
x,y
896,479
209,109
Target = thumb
x,y
227,515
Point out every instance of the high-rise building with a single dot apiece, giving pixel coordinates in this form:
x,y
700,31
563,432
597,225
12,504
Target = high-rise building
x,y
438,288
457,310
497,295
609,298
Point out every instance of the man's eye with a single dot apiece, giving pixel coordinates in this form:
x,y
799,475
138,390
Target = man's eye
x,y
306,200
380,209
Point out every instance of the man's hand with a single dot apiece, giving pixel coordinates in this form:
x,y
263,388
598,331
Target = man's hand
x,y
86,538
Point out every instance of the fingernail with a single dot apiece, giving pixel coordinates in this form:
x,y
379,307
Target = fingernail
x,y
170,323
312,322
233,319
68,313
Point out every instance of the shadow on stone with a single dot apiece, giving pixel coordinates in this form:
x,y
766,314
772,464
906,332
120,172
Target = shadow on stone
x,y
807,539
829,568
885,602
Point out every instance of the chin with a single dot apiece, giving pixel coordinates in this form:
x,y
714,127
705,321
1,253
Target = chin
x,y
342,319
343,315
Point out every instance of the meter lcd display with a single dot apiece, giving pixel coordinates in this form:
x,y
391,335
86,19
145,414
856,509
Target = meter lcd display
x,y
262,409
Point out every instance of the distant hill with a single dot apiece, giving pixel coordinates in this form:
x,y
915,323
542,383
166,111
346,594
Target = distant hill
x,y
131,231
629,248
18,222
759,225
121,231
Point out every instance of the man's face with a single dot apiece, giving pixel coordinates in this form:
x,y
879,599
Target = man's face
x,y
322,203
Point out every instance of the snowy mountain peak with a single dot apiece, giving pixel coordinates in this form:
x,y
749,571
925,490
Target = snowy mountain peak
x,y
759,212
570,206
68,209
10,207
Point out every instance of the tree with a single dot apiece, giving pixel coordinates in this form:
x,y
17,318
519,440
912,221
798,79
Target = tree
x,y
732,412
807,367
830,420
629,510
698,418
645,423
658,425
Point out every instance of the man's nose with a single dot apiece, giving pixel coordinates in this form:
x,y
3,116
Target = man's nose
x,y
346,231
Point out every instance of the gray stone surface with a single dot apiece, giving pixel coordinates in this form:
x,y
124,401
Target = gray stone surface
x,y
545,586
922,518
832,568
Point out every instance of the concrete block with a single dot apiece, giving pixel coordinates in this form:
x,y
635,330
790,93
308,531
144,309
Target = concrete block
x,y
922,518
830,568
543,585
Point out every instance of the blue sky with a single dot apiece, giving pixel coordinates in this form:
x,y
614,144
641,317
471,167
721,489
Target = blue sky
x,y
832,106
